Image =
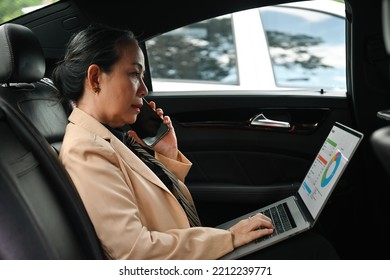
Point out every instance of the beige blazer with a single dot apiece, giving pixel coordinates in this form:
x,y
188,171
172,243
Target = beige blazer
x,y
134,214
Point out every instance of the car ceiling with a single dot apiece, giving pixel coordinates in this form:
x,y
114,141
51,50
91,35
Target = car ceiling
x,y
148,18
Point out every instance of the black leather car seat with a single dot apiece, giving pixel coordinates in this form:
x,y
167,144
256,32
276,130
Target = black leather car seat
x,y
380,139
41,214
22,70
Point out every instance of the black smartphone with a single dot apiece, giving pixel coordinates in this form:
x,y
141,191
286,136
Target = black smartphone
x,y
149,126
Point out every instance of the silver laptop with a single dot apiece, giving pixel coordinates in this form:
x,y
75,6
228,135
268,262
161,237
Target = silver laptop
x,y
300,212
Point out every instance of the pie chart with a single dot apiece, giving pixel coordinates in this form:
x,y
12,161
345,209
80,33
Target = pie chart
x,y
328,174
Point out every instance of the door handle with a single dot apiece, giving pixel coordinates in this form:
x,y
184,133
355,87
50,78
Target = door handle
x,y
261,120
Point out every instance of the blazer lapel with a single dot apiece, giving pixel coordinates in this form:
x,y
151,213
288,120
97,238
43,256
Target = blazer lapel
x,y
79,117
136,164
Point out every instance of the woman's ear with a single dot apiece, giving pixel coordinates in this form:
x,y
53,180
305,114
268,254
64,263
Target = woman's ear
x,y
93,75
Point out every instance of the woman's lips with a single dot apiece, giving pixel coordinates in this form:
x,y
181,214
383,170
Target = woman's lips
x,y
137,107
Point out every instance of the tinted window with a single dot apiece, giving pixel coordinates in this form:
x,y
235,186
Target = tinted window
x,y
307,48
268,48
204,51
11,9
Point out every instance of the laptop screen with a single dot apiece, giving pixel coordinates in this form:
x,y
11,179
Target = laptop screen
x,y
328,167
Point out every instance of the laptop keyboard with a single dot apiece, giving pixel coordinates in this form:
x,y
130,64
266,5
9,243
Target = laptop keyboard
x,y
281,218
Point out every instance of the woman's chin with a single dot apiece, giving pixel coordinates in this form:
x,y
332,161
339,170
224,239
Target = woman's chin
x,y
131,120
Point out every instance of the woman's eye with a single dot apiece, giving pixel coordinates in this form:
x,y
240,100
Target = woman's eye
x,y
135,75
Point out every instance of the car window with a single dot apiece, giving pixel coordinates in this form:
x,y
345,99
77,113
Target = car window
x,y
307,48
203,52
297,45
11,9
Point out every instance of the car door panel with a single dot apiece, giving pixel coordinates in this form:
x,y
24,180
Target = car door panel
x,y
238,167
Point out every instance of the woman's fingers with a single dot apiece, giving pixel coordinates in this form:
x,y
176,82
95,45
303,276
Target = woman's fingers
x,y
250,229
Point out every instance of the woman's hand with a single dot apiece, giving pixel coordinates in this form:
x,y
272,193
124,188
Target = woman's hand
x,y
250,229
167,146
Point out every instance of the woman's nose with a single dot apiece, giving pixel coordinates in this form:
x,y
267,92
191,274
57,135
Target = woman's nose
x,y
143,89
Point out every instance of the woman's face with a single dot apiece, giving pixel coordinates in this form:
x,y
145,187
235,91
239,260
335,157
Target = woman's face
x,y
121,90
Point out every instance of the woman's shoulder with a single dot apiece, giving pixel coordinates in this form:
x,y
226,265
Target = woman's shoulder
x,y
81,141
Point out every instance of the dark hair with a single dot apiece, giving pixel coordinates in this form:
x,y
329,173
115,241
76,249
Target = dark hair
x,y
97,44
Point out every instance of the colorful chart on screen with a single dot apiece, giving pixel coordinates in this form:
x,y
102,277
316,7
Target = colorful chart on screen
x,y
327,168
331,169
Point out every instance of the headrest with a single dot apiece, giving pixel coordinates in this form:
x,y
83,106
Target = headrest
x,y
21,55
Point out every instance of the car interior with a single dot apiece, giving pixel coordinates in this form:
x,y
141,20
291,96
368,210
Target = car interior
x,y
41,213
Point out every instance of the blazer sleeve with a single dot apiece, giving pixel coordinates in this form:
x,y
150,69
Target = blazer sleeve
x,y
114,210
179,167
